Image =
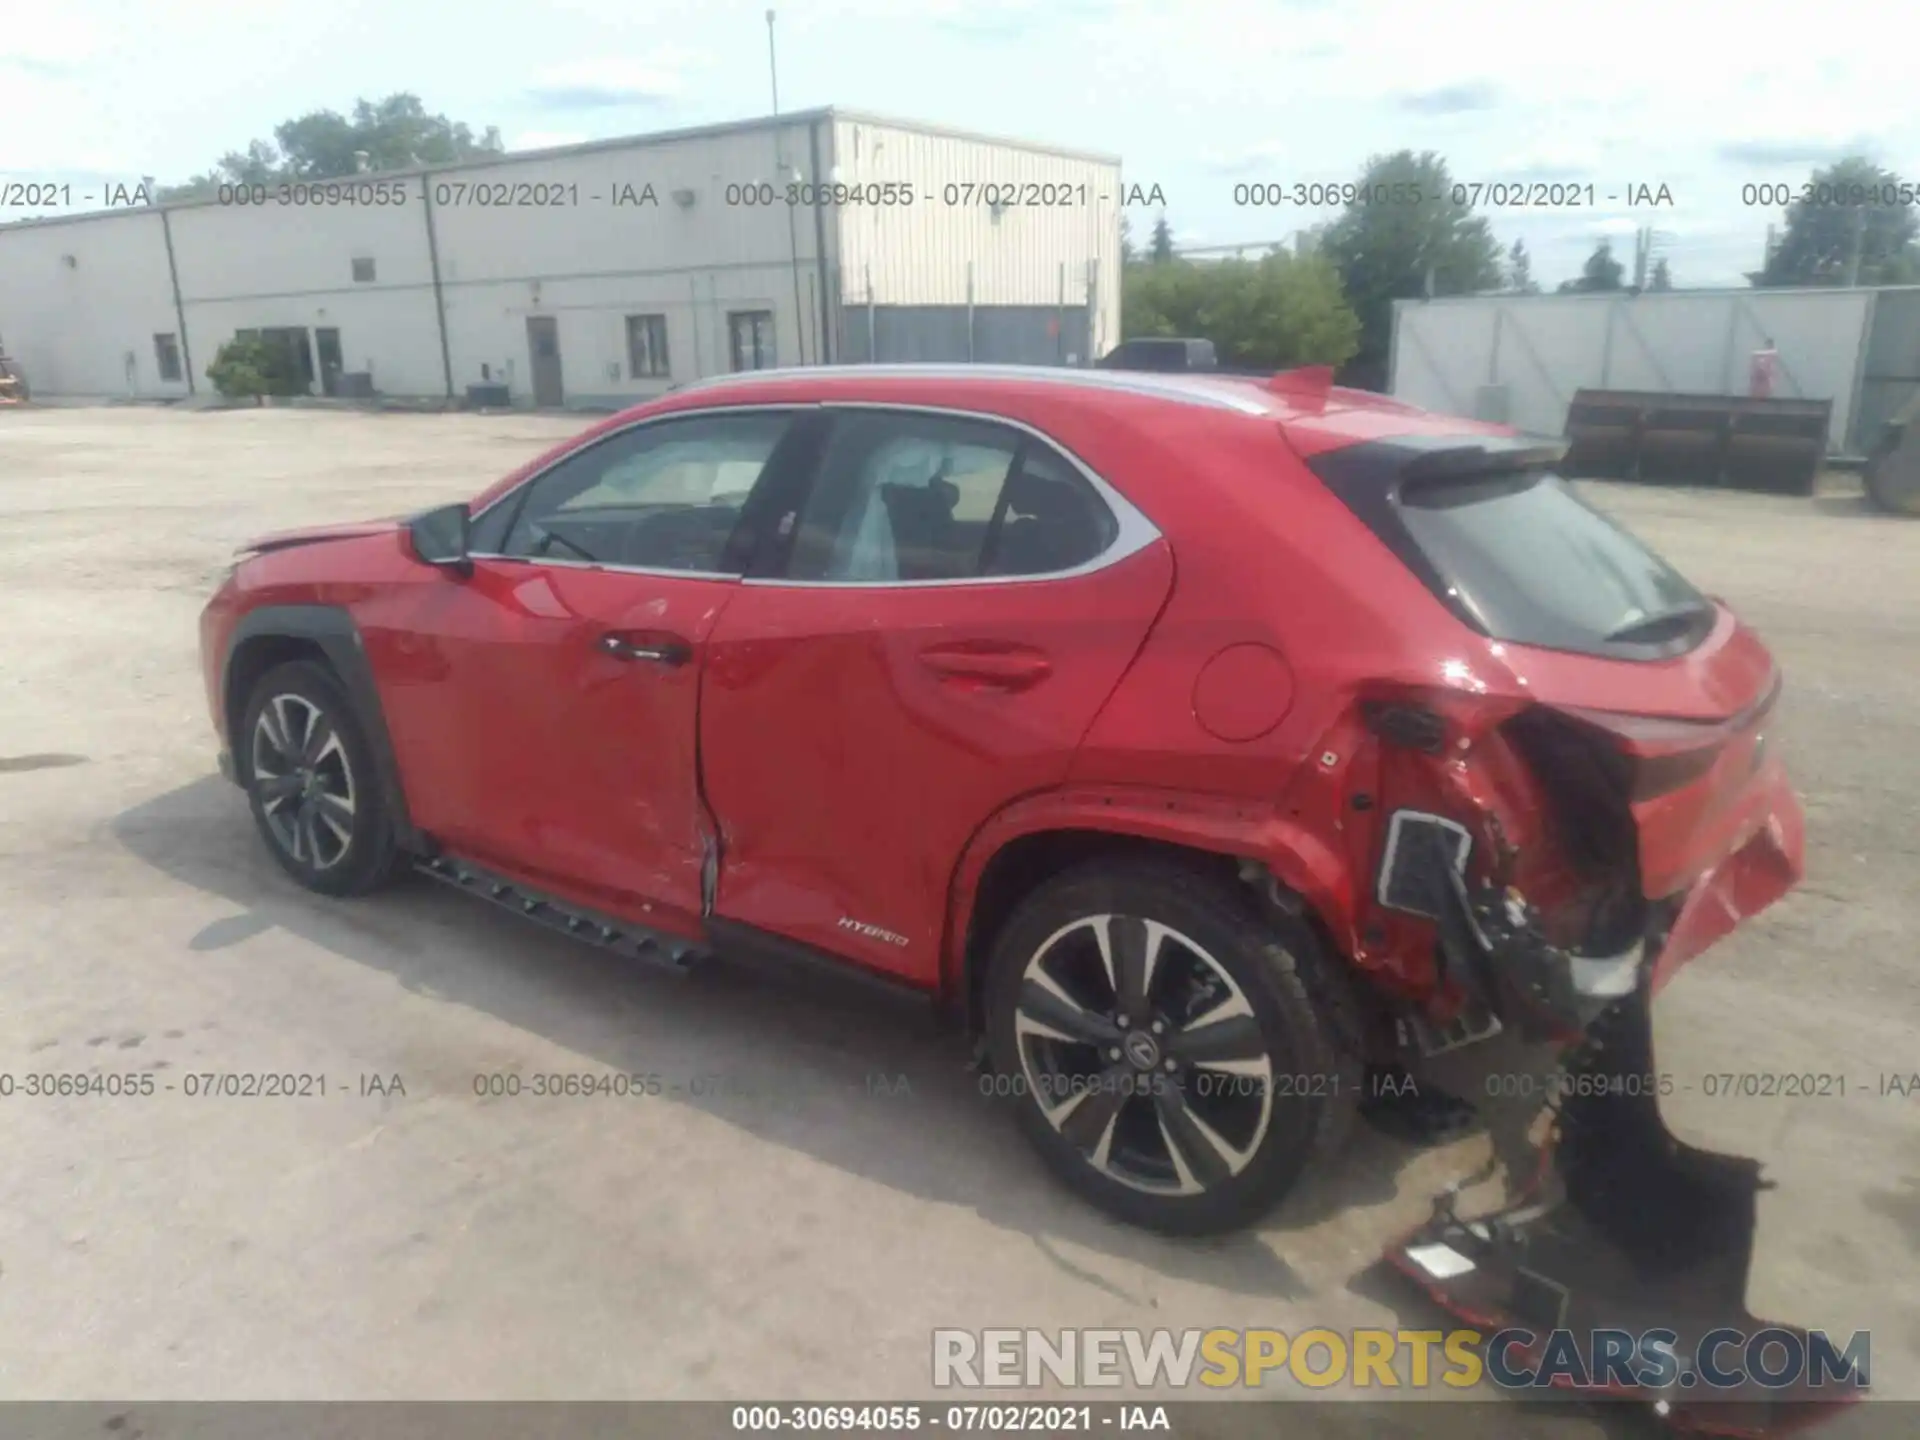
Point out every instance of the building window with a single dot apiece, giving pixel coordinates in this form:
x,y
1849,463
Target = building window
x,y
363,270
647,346
750,339
166,350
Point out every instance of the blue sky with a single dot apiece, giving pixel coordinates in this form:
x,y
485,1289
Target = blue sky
x,y
1196,97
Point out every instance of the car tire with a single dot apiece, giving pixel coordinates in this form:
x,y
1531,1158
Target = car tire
x,y
1275,1011
311,782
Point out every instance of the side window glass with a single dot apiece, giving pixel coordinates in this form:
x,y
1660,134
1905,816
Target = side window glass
x,y
906,496
1051,519
490,528
665,496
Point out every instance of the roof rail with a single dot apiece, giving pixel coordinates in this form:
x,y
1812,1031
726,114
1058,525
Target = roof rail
x,y
1168,387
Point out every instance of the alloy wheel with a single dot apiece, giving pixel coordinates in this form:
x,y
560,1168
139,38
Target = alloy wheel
x,y
1144,1054
304,780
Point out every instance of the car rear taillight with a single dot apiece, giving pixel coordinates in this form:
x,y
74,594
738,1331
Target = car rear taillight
x,y
1662,754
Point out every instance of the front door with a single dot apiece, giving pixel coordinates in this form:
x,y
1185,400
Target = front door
x,y
958,602
543,346
549,726
327,342
750,340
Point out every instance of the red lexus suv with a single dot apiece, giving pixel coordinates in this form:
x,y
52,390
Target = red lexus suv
x,y
1200,741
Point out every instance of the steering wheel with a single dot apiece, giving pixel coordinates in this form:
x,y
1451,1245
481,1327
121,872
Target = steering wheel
x,y
545,539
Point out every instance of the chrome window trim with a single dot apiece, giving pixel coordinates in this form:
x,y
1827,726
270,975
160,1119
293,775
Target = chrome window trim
x,y
544,561
1133,531
780,407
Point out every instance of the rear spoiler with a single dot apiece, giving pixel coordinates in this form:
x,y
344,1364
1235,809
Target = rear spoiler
x,y
1492,456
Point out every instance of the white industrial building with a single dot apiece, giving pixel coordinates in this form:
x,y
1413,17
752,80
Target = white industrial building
x,y
1519,359
590,275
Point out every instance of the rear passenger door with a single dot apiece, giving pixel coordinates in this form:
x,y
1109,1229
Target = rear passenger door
x,y
953,600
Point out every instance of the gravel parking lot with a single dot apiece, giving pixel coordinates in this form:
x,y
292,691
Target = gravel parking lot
x,y
840,1188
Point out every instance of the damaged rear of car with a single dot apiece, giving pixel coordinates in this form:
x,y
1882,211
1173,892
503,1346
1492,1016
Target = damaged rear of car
x,y
1577,802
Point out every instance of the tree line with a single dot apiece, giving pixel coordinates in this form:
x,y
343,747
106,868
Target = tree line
x,y
1332,305
1283,310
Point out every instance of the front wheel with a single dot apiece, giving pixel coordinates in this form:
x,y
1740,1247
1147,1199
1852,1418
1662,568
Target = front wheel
x,y
311,781
1177,1054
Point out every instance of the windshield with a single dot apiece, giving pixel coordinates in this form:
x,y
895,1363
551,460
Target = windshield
x,y
1532,563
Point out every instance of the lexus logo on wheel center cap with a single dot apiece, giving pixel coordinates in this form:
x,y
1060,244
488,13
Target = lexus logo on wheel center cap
x,y
1141,1050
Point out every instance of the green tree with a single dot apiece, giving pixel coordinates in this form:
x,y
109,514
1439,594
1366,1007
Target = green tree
x,y
250,366
1272,313
1520,270
1848,212
1414,234
1601,272
1161,249
1662,278
396,133
1127,253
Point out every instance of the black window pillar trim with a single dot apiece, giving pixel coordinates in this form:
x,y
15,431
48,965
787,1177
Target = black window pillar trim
x,y
332,629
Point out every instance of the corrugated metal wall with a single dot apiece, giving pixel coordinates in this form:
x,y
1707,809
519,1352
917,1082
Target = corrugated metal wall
x,y
1892,371
1056,249
1531,353
714,238
1001,334
665,226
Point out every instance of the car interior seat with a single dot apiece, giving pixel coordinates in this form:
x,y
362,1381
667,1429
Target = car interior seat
x,y
1045,529
922,521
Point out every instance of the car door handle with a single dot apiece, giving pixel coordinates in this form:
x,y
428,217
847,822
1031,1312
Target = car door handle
x,y
1003,667
661,650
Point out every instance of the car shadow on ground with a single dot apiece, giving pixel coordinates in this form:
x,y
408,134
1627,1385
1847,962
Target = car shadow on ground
x,y
866,1082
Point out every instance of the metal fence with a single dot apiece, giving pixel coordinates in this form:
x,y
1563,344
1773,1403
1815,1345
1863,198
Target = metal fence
x,y
999,334
1519,359
1890,376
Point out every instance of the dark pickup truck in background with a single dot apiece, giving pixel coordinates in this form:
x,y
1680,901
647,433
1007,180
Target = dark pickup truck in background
x,y
1170,355
1166,355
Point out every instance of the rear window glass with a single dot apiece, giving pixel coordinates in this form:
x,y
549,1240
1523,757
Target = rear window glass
x,y
1528,561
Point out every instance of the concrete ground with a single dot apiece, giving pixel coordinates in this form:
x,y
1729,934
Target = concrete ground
x,y
800,1226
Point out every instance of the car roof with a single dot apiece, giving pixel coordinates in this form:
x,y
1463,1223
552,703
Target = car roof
x,y
1315,414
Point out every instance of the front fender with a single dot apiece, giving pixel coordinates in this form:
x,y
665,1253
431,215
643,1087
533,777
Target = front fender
x,y
332,629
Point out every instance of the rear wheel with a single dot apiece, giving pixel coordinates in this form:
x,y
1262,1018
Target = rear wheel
x,y
1177,1053
310,779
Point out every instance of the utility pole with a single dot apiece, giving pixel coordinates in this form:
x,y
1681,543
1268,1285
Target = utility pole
x,y
773,68
781,168
1859,240
1642,252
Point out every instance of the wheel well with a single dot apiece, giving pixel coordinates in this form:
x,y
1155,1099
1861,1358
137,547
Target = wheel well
x,y
1023,865
254,657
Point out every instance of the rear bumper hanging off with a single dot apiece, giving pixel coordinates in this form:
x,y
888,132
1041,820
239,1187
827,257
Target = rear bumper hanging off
x,y
1622,1228
1625,1229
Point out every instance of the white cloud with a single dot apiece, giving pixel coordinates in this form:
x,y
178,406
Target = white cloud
x,y
56,37
1550,162
545,139
611,81
1248,160
1288,90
